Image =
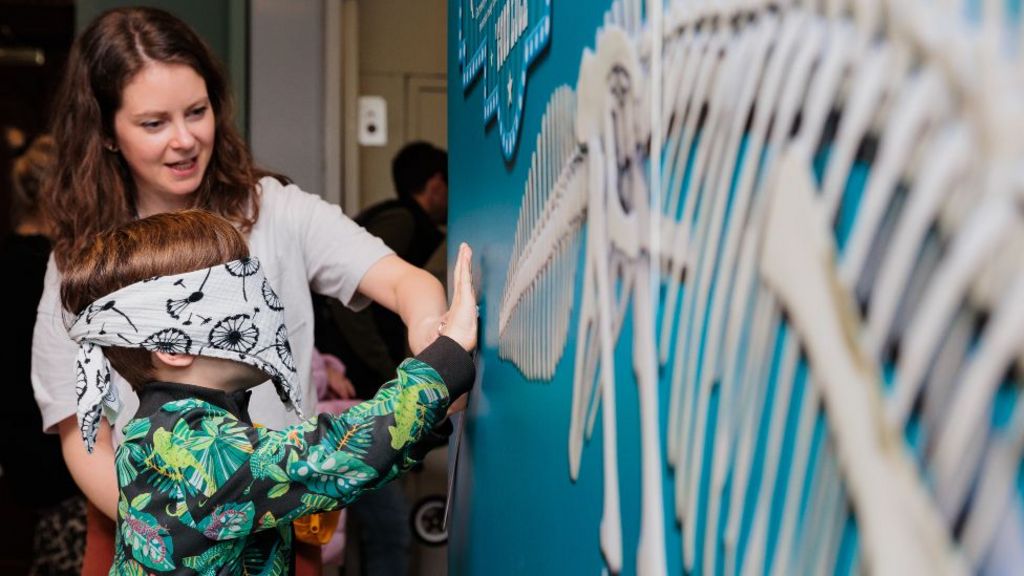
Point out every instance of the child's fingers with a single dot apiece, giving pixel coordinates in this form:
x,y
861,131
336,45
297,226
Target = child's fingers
x,y
461,319
467,274
457,278
463,283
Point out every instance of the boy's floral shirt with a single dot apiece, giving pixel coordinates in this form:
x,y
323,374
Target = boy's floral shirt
x,y
204,491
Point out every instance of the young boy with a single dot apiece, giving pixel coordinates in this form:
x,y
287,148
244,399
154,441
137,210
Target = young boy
x,y
177,307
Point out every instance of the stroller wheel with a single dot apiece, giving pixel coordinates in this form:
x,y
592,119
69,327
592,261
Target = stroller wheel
x,y
428,521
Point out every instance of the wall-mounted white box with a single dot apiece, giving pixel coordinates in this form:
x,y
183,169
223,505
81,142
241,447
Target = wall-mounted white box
x,y
373,121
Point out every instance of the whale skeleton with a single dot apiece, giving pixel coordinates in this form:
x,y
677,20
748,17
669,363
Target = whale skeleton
x,y
734,246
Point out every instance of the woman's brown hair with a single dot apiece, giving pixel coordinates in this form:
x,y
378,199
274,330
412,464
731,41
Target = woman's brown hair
x,y
160,245
92,189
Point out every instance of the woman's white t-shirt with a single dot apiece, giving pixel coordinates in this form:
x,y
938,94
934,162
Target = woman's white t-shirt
x,y
302,242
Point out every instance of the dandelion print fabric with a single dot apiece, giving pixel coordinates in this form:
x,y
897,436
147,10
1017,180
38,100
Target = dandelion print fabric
x,y
226,311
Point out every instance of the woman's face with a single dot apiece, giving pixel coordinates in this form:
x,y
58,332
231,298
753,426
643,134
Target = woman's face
x,y
165,132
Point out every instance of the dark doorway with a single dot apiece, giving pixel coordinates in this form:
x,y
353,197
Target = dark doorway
x,y
35,37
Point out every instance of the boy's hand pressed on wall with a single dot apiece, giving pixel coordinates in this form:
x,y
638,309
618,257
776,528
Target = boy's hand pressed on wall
x,y
460,322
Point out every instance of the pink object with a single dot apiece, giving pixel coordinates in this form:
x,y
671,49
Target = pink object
x,y
321,361
335,405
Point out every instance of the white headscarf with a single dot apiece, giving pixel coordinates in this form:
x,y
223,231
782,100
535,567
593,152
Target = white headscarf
x,y
226,311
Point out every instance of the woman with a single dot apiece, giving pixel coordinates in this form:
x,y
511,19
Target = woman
x,y
143,124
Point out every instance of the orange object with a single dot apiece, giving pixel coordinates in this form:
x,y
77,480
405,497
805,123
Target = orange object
x,y
316,529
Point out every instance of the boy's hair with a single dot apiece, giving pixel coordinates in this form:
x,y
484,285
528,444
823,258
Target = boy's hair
x,y
160,245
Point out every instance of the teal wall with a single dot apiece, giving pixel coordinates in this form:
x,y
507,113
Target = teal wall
x,y
515,509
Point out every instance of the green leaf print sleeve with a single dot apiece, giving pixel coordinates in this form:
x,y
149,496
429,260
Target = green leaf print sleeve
x,y
325,462
329,461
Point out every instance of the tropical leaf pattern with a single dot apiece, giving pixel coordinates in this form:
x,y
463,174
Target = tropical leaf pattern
x,y
218,556
334,474
150,543
229,521
275,560
203,490
221,446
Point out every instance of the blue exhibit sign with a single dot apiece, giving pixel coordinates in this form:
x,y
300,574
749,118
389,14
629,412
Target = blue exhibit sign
x,y
502,40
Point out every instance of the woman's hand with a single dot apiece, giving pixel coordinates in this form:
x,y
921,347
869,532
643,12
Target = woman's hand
x,y
412,293
460,322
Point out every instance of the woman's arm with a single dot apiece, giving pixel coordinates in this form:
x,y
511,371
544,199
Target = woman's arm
x,y
94,473
412,293
53,383
346,262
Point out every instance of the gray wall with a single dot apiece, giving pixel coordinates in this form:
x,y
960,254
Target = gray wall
x,y
405,61
286,98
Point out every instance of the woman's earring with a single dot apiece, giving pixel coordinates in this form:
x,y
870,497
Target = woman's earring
x,y
110,147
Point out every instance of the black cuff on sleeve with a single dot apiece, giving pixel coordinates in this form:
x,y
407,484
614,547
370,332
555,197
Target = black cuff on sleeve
x,y
454,364
438,436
